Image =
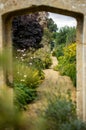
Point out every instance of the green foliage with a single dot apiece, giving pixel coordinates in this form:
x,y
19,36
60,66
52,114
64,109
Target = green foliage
x,y
38,64
58,51
61,115
25,75
25,80
47,34
9,116
52,28
44,56
67,62
40,59
51,25
47,61
47,38
66,35
65,51
23,95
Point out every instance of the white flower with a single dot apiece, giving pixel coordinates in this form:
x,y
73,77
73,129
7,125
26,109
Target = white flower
x,y
22,59
25,76
31,57
24,55
22,50
22,80
30,63
18,50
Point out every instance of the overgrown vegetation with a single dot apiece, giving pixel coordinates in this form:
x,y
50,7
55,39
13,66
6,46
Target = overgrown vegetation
x,y
25,81
25,75
67,62
31,54
66,35
29,62
65,51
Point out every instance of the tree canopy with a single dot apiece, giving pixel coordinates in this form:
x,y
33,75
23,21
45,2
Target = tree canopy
x,y
66,35
51,25
26,32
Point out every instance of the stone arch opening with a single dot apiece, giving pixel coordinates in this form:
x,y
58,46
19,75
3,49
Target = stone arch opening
x,y
7,42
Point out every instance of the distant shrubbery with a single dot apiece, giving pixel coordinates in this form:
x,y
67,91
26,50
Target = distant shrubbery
x,y
66,35
39,59
65,51
44,56
58,51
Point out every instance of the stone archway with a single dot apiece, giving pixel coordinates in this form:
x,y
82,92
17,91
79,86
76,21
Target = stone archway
x,y
13,8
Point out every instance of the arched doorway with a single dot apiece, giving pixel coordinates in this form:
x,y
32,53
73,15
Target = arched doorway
x,y
7,42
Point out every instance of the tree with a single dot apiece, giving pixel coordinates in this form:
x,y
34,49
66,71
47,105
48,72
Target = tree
x,y
51,25
26,32
52,28
71,35
66,35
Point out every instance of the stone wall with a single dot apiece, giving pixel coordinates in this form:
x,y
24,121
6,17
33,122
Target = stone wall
x,y
74,8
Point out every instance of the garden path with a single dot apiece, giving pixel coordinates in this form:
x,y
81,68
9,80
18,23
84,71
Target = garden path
x,y
53,81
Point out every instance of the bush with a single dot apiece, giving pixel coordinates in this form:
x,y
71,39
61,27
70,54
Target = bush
x,y
40,59
25,80
38,64
23,95
27,76
29,59
61,115
47,61
26,32
67,62
58,51
44,57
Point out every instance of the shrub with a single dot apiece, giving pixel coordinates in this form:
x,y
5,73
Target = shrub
x,y
26,32
67,62
23,95
40,59
61,115
25,80
44,56
27,76
47,61
58,51
37,63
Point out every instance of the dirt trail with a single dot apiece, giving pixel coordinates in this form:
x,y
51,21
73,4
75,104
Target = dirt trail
x,y
53,81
